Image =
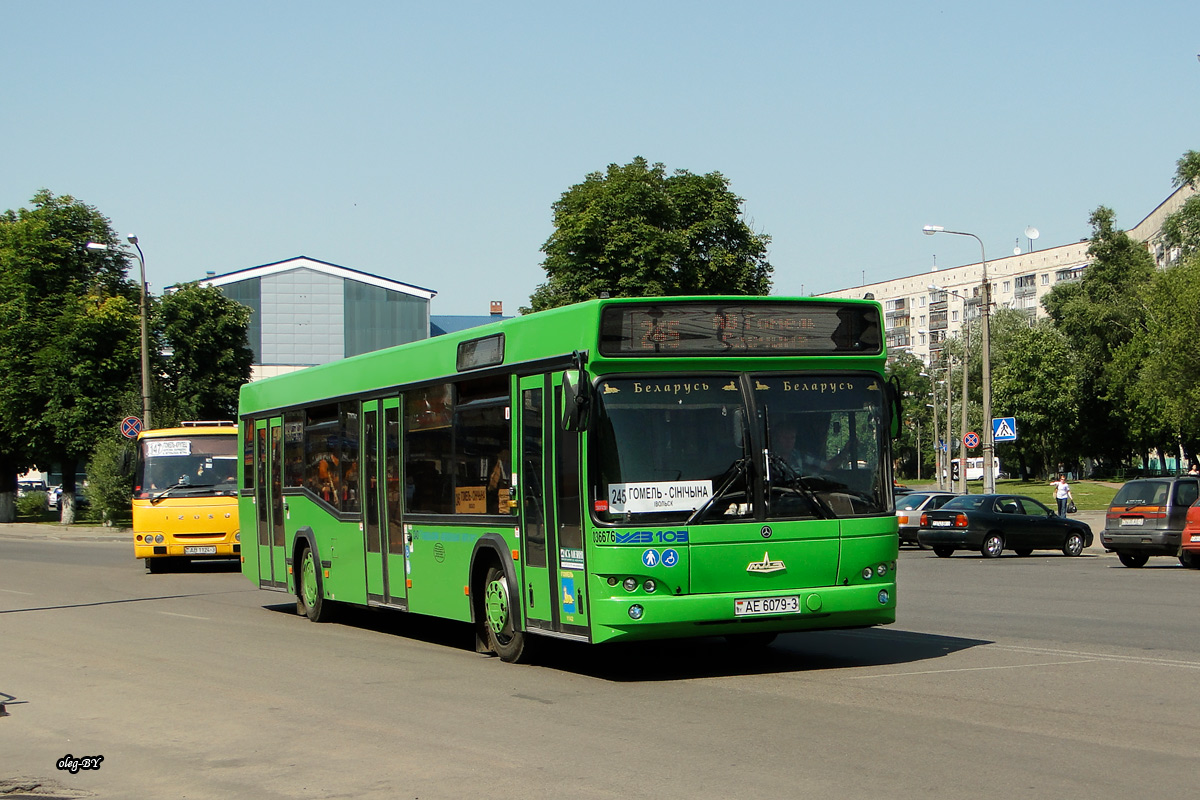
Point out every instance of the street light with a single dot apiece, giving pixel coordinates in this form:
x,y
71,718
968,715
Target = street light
x,y
989,447
962,446
145,337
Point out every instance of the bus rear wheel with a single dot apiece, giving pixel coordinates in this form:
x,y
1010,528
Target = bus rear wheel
x,y
310,599
499,620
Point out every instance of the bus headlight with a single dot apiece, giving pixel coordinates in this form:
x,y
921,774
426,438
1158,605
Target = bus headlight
x,y
649,586
158,539
881,570
867,573
884,597
630,584
636,611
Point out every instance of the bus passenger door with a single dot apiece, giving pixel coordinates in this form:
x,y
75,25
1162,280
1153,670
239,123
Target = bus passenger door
x,y
565,545
548,484
391,496
370,500
268,502
530,472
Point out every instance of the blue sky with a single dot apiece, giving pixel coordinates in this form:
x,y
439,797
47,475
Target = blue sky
x,y
426,142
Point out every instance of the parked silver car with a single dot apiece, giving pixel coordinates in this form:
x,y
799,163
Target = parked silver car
x,y
909,508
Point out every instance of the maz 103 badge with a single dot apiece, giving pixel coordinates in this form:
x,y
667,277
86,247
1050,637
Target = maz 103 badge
x,y
639,498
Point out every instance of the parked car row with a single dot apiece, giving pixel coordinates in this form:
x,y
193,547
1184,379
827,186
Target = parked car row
x,y
1147,517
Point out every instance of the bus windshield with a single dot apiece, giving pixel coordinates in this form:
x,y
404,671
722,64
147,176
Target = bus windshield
x,y
203,464
697,449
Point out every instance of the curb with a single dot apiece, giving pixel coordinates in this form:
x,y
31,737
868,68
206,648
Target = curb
x,y
73,533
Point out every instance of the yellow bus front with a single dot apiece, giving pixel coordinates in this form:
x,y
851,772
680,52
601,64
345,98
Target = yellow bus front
x,y
185,494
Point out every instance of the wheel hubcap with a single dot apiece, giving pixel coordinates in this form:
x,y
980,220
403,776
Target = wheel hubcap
x,y
309,574
497,605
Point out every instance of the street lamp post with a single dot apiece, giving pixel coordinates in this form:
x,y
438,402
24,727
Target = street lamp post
x,y
145,336
989,447
949,426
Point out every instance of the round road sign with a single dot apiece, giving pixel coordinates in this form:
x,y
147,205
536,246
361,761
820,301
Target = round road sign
x,y
131,427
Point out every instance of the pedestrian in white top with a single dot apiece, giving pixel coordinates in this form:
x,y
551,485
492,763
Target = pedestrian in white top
x,y
1062,493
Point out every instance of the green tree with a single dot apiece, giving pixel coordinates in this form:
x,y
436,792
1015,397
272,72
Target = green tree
x,y
634,231
205,332
1037,384
1163,362
1100,316
1182,229
69,319
915,445
110,479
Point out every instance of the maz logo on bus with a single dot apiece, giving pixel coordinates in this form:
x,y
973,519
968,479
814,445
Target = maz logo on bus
x,y
639,537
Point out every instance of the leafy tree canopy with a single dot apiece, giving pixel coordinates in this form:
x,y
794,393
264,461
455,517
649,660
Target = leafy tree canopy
x,y
69,349
1182,229
634,231
210,354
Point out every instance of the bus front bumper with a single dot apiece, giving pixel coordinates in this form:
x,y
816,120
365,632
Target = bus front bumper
x,y
674,616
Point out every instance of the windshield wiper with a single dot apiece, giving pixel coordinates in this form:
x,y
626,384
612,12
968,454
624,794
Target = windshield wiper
x,y
735,470
155,498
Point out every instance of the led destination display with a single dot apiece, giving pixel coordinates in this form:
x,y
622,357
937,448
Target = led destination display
x,y
741,329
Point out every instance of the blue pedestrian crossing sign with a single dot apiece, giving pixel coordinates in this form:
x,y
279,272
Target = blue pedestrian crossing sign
x,y
1004,429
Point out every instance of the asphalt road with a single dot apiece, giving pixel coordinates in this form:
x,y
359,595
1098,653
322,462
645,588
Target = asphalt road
x,y
1039,677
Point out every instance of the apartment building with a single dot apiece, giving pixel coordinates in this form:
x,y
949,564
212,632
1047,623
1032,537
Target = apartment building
x,y
922,311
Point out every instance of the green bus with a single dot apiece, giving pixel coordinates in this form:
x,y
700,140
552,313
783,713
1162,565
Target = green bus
x,y
618,469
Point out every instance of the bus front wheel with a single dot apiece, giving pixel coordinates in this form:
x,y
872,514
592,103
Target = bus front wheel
x,y
499,620
310,599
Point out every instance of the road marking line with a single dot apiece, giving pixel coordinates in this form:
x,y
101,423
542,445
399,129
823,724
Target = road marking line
x,y
185,616
970,669
1151,660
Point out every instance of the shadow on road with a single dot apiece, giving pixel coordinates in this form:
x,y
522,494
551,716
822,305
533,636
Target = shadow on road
x,y
677,659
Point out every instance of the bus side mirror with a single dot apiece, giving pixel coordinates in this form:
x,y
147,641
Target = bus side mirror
x,y
576,399
894,396
126,461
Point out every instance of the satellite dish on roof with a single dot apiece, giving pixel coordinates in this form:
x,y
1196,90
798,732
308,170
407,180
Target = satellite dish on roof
x,y
1032,233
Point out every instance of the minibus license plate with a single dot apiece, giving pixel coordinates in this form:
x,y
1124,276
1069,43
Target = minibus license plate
x,y
1131,521
789,604
209,550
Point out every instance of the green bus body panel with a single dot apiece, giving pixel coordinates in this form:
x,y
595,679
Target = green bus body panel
x,y
441,567
824,560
